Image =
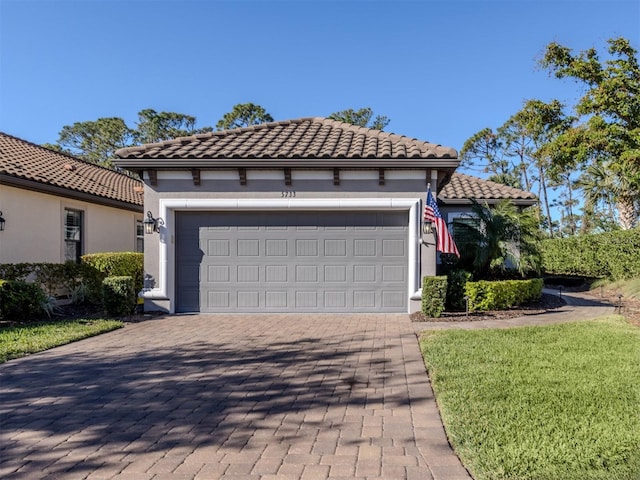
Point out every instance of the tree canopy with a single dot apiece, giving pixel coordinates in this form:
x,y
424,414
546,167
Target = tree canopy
x,y
156,127
608,135
97,141
244,115
593,152
362,117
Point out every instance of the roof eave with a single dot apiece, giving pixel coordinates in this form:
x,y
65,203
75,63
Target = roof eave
x,y
138,164
523,202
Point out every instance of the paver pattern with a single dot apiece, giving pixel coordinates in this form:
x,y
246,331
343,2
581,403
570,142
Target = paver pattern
x,y
231,397
237,397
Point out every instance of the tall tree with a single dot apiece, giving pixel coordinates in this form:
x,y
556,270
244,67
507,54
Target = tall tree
x,y
526,133
95,141
362,118
513,155
609,136
244,115
486,149
155,127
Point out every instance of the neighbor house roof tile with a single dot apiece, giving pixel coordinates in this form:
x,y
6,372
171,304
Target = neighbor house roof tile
x,y
463,187
304,138
27,161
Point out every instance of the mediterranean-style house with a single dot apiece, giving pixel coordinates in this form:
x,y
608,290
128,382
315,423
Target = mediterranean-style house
x,y
307,215
55,207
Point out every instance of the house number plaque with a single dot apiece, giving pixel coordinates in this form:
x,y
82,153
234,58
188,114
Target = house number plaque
x,y
288,194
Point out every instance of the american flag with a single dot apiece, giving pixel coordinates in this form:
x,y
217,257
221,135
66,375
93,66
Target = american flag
x,y
445,243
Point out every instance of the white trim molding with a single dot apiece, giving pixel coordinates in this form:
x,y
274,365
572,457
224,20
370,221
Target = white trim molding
x,y
165,289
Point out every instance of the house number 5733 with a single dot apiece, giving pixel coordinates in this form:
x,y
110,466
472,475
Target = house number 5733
x,y
288,194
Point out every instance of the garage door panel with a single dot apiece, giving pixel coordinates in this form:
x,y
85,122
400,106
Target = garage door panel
x,y
276,299
393,273
364,248
218,273
248,299
218,299
218,248
393,248
306,299
285,261
364,299
393,299
248,247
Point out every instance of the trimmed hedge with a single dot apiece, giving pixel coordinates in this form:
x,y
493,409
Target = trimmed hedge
x,y
434,294
456,282
79,282
501,295
56,279
21,301
612,255
118,264
118,296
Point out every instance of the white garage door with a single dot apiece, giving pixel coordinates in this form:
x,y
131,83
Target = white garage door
x,y
291,261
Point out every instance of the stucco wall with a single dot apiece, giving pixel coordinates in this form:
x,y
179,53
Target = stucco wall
x,y
34,226
270,185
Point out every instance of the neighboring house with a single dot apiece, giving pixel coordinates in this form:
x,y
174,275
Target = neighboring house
x,y
57,207
455,197
308,215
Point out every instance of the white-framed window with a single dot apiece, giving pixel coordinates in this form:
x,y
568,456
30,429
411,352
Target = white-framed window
x,y
139,236
73,234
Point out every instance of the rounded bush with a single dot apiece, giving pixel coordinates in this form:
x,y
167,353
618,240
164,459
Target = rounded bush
x,y
118,296
21,301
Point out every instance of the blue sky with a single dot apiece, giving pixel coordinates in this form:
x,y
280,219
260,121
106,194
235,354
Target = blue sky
x,y
440,70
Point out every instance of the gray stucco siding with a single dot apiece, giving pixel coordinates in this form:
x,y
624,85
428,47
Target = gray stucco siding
x,y
171,288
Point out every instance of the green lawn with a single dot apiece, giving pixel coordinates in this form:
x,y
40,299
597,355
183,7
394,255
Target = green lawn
x,y
558,402
18,341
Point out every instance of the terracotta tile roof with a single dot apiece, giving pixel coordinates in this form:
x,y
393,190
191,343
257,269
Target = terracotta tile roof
x,y
462,187
23,160
305,138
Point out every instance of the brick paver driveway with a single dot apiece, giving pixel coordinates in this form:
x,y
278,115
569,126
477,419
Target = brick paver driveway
x,y
242,397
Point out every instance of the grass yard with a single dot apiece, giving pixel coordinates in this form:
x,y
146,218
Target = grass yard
x,y
21,340
545,403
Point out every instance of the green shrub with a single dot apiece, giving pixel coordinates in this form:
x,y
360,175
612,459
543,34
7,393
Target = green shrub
x,y
56,279
501,295
118,296
118,264
21,301
16,271
456,281
612,255
434,294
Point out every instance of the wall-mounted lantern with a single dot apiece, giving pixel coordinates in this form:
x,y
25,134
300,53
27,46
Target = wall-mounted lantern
x,y
427,227
2,221
152,224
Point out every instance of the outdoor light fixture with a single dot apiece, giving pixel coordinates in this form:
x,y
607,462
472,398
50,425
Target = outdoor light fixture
x,y
151,224
2,220
427,227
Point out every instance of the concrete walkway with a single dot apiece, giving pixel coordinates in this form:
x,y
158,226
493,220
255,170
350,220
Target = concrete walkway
x,y
236,397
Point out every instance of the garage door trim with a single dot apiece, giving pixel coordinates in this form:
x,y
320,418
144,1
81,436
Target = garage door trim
x,y
165,286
